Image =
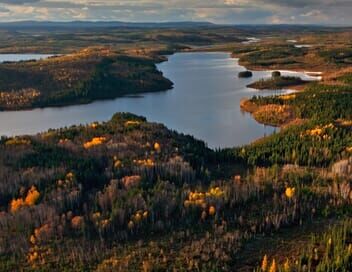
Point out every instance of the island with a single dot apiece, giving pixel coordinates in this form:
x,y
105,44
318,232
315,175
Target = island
x,y
245,74
278,83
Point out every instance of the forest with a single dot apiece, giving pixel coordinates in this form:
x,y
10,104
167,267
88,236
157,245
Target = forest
x,y
277,83
81,77
125,190
131,195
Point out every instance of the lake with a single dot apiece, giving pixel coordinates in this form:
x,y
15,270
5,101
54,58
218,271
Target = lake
x,y
205,102
22,57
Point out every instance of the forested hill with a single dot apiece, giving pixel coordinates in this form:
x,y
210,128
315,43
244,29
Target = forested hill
x,y
129,195
80,77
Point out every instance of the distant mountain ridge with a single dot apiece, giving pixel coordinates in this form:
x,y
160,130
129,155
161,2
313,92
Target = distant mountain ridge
x,y
104,24
54,25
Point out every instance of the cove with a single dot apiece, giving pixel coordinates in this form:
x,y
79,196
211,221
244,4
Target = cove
x,y
205,103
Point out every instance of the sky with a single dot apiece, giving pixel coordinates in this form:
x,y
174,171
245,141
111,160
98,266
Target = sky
x,y
331,12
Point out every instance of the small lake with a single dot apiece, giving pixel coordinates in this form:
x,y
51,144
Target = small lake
x,y
205,103
22,57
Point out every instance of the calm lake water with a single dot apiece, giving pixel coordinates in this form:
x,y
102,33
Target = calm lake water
x,y
21,57
205,102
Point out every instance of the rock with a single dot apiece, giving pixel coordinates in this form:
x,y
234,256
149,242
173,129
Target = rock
x,y
245,74
276,74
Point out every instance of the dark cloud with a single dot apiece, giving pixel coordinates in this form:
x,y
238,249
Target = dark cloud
x,y
218,11
310,3
57,4
4,10
18,2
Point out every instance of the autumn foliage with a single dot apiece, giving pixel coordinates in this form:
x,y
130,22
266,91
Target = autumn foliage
x,y
94,142
132,204
30,200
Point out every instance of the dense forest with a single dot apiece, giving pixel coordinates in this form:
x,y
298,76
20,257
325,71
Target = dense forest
x,y
130,195
82,77
115,196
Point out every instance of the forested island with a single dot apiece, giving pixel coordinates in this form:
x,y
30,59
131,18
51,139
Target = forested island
x,y
277,83
132,195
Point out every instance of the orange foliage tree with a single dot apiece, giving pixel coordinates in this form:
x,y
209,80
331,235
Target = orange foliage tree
x,y
30,200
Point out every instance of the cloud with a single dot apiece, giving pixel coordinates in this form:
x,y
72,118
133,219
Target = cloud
x,y
4,10
217,11
18,2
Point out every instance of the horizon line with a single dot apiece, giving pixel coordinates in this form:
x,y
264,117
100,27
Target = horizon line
x,y
172,22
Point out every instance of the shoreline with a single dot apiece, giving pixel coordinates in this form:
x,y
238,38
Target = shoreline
x,y
251,108
278,116
12,129
141,94
39,105
195,50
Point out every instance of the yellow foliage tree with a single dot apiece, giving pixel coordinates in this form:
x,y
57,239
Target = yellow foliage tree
x,y
32,196
94,142
32,239
212,210
265,263
138,217
16,204
157,147
77,222
290,192
30,200
287,267
273,267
